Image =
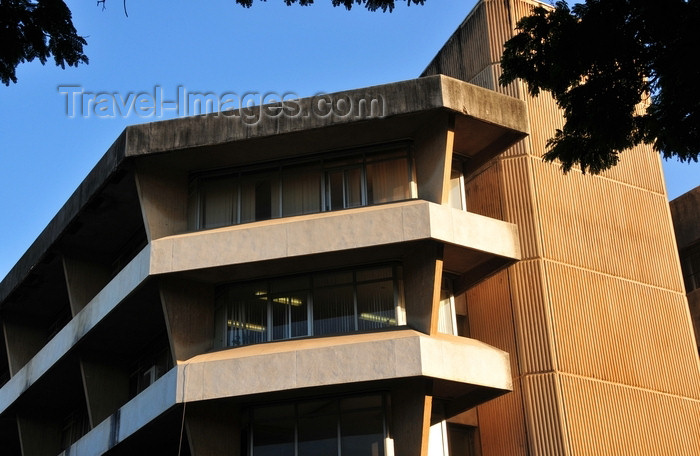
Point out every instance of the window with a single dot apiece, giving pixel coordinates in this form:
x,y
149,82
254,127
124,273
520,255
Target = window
x,y
690,262
305,305
447,318
75,425
346,180
462,440
456,197
149,368
349,426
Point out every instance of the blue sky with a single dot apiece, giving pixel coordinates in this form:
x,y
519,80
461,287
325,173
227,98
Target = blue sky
x,y
207,46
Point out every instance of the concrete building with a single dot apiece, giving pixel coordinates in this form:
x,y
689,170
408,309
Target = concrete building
x,y
685,211
394,271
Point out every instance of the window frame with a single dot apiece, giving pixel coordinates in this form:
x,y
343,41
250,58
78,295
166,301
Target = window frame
x,y
223,311
248,428
326,163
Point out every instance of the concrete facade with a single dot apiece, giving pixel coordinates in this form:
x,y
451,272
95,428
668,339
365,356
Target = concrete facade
x,y
404,278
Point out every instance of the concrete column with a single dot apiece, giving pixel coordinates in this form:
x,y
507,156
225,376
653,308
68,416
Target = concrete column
x,y
84,279
23,340
411,407
422,277
213,428
106,389
163,199
433,158
188,307
39,437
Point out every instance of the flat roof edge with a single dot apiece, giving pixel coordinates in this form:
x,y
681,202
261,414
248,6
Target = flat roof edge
x,y
105,168
367,104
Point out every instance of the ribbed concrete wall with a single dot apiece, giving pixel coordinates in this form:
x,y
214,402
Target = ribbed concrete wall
x,y
595,315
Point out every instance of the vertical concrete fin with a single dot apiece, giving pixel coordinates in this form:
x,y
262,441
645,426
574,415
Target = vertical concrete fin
x,y
23,340
422,281
84,279
189,315
411,407
163,198
433,158
106,389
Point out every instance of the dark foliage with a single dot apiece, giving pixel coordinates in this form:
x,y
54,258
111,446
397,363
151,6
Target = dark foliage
x,y
37,30
371,5
600,60
40,29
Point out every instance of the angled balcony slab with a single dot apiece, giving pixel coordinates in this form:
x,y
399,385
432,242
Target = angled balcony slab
x,y
473,242
459,367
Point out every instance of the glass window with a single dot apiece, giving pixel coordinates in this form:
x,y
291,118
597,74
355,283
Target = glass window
x,y
387,181
456,197
447,320
274,431
690,262
219,201
314,304
293,188
352,426
301,190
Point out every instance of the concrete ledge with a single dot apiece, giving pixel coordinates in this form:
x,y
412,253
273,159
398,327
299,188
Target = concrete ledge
x,y
342,360
293,364
106,300
368,103
336,231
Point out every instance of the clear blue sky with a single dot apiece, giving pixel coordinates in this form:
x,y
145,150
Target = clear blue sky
x,y
209,45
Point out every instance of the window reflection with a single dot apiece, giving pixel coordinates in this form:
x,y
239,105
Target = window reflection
x,y
351,426
293,188
315,304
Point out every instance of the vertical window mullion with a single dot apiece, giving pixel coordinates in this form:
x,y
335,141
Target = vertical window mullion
x,y
354,299
310,308
339,435
363,181
296,429
345,188
279,191
238,198
200,205
270,322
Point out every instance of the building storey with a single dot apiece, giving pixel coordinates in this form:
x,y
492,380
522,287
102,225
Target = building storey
x,y
391,272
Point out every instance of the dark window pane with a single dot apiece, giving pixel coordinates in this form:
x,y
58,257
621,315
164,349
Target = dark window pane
x,y
301,191
260,196
335,194
274,412
365,275
334,310
318,435
274,438
353,187
247,316
290,315
362,433
219,201
462,440
375,305
332,278
361,403
387,181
